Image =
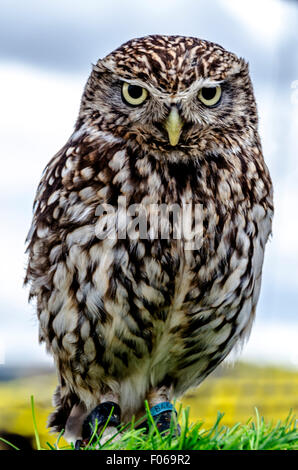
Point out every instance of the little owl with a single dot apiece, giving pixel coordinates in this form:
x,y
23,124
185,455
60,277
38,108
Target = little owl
x,y
129,309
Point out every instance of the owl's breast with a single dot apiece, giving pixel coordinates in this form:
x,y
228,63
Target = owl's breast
x,y
171,282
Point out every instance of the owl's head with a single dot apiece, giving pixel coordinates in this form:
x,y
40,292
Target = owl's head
x,y
172,94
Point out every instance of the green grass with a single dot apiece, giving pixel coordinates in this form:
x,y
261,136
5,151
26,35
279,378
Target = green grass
x,y
256,434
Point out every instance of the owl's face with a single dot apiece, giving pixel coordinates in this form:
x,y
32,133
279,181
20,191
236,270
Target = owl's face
x,y
172,94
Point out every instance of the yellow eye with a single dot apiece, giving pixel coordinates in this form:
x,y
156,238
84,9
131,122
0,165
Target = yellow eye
x,y
210,96
133,94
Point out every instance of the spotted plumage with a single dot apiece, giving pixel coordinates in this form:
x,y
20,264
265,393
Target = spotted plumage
x,y
130,318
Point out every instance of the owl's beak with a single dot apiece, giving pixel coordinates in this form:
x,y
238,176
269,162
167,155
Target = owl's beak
x,y
173,125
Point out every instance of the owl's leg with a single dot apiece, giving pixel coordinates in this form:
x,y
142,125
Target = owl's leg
x,y
107,410
74,424
161,408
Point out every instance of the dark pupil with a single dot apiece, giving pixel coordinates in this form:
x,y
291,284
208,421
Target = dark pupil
x,y
208,93
135,91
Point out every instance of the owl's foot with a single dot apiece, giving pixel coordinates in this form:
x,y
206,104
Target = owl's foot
x,y
110,433
106,413
162,411
163,414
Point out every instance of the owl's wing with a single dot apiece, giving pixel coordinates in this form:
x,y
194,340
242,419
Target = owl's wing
x,y
61,261
73,185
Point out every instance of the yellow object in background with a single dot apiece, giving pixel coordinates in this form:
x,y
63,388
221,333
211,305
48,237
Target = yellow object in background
x,y
234,391
237,391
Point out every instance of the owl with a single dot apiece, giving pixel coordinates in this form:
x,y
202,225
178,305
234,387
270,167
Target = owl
x,y
130,304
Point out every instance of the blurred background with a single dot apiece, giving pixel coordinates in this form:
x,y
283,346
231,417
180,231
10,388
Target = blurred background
x,y
46,51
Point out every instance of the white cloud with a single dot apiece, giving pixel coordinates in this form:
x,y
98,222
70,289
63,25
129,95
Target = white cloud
x,y
265,19
38,111
273,343
2,351
20,346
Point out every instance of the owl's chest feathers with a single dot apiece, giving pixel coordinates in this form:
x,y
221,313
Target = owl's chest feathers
x,y
154,257
168,277
150,302
147,279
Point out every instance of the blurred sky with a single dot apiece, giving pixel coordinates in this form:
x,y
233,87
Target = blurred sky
x,y
46,51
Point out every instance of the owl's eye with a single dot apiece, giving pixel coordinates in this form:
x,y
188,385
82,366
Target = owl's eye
x,y
133,95
210,96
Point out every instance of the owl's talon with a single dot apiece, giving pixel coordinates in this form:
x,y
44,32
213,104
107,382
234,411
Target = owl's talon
x,y
78,444
163,413
163,423
105,412
81,443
